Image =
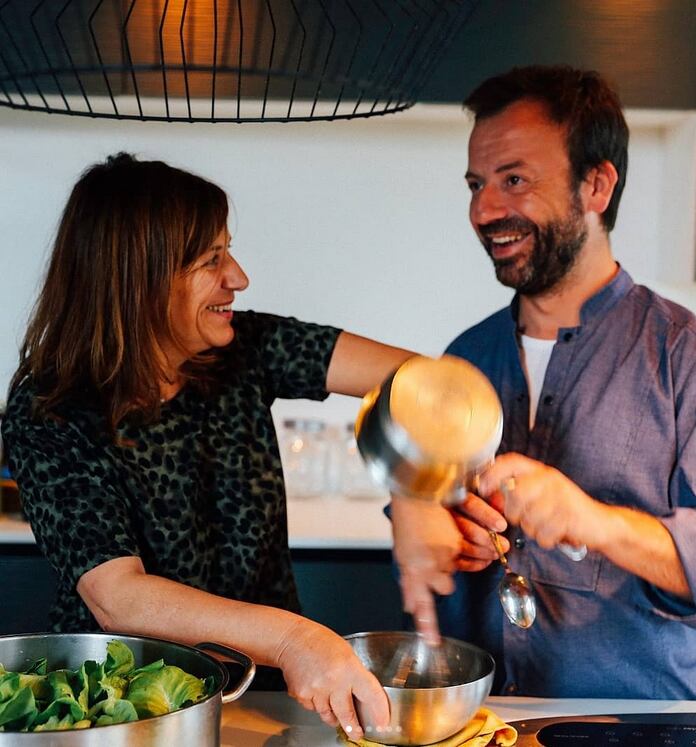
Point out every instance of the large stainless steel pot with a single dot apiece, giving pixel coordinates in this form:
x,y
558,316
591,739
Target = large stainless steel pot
x,y
197,725
430,428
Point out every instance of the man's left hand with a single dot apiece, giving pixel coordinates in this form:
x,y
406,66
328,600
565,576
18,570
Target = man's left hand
x,y
549,507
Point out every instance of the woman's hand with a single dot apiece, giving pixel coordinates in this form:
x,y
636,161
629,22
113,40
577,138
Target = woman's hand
x,y
431,543
324,675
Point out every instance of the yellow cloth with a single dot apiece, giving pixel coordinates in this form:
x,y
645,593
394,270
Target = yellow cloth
x,y
485,728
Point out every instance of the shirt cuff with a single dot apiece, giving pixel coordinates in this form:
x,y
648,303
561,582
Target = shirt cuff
x,y
681,524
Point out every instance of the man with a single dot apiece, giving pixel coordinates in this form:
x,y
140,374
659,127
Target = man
x,y
597,378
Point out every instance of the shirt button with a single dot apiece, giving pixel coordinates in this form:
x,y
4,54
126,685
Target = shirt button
x,y
511,689
520,542
568,336
548,399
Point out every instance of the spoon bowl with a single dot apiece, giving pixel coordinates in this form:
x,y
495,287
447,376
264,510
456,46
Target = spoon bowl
x,y
517,599
514,591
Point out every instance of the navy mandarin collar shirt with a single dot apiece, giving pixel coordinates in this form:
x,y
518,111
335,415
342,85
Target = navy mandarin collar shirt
x,y
617,415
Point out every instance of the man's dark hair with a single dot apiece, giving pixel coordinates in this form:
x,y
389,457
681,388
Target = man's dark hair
x,y
579,100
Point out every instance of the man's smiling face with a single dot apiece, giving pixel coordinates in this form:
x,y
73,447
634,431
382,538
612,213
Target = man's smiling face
x,y
523,208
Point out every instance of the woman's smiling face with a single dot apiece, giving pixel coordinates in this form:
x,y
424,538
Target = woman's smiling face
x,y
201,300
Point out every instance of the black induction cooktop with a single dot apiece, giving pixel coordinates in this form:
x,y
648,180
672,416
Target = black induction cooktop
x,y
619,730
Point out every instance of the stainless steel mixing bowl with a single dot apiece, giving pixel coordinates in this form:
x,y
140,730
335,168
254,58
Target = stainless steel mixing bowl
x,y
433,692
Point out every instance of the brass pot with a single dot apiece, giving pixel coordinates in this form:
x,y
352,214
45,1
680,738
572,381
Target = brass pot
x,y
430,429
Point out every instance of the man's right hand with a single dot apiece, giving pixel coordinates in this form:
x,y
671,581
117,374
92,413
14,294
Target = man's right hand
x,y
431,543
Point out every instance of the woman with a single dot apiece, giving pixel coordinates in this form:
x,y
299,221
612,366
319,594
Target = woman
x,y
139,431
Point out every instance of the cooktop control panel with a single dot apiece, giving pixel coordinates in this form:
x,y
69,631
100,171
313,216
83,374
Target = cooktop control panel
x,y
625,730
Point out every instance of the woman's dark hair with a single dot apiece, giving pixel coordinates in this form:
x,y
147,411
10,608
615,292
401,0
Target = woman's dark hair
x,y
128,228
579,100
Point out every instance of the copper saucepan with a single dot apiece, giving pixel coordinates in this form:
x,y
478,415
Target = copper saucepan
x,y
431,429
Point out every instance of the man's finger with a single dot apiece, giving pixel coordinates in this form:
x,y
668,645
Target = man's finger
x,y
443,583
482,513
412,589
496,500
471,551
476,541
513,506
505,466
425,619
471,566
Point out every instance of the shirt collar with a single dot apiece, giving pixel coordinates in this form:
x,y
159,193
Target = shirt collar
x,y
596,306
607,297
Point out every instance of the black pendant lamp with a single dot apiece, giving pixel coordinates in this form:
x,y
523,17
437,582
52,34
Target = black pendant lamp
x,y
222,60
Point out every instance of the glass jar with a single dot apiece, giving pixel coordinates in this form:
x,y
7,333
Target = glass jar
x,y
356,481
2,414
304,455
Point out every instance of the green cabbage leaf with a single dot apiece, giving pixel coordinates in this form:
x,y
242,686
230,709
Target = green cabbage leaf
x,y
164,690
114,691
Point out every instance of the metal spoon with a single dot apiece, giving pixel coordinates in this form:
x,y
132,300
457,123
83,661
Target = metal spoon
x,y
515,592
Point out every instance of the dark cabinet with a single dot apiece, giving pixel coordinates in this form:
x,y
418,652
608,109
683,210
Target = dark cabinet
x,y
646,49
27,591
347,590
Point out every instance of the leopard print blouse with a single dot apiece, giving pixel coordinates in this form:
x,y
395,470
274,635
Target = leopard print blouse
x,y
198,496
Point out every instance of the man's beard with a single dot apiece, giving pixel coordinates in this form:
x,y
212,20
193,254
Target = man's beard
x,y
554,250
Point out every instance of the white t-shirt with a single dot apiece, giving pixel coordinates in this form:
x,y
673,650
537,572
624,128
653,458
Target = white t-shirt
x,y
537,354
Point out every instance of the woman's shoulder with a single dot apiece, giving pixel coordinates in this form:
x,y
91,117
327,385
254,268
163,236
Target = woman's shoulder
x,y
251,326
259,326
45,449
273,335
20,406
24,417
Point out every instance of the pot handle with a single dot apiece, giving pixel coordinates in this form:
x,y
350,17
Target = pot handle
x,y
240,658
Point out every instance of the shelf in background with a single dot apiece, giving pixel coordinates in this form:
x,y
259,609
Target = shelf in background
x,y
327,523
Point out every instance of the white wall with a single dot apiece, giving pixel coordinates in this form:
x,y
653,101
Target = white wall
x,y
361,224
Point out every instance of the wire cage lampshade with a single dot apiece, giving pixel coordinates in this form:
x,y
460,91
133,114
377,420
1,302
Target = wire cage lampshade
x,y
222,60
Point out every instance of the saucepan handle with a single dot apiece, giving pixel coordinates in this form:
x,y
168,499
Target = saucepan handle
x,y
239,658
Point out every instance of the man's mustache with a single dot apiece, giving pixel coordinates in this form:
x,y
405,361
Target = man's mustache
x,y
510,225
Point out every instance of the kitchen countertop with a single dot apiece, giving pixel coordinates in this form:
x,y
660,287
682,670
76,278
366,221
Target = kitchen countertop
x,y
339,523
15,532
261,719
332,522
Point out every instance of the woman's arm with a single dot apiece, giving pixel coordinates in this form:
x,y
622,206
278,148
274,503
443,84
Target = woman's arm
x,y
359,364
319,667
